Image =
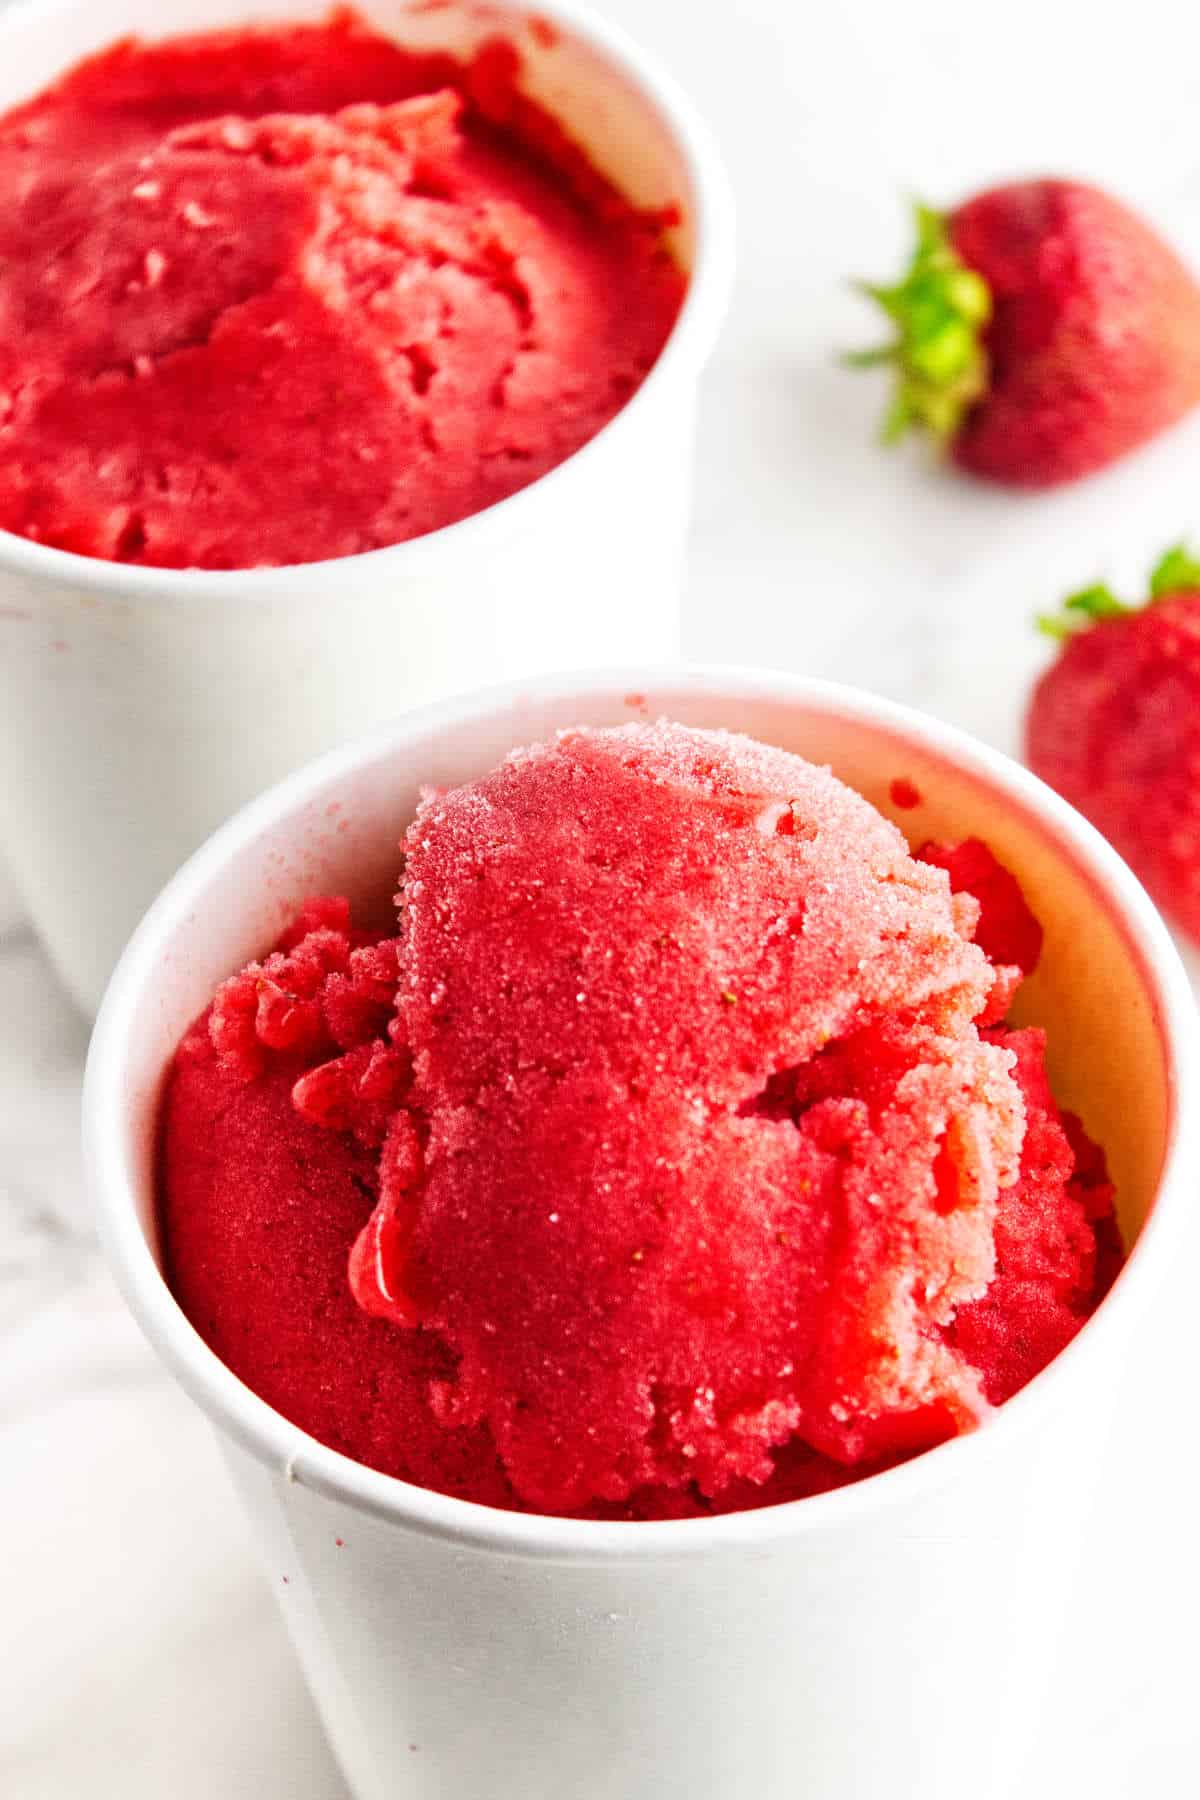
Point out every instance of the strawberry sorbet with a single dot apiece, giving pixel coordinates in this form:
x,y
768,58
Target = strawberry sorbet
x,y
673,1157
270,296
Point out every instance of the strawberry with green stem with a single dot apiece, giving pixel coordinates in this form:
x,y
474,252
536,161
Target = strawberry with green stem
x,y
1114,725
1042,330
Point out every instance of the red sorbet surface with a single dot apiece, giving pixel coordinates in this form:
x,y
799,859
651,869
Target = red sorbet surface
x,y
672,1158
269,296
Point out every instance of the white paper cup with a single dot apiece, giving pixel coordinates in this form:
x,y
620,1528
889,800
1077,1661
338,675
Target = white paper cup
x,y
139,707
885,1640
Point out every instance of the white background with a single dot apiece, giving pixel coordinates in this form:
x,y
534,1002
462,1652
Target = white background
x,y
141,1653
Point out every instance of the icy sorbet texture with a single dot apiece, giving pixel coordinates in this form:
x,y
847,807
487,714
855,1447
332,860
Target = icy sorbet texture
x,y
671,1157
274,295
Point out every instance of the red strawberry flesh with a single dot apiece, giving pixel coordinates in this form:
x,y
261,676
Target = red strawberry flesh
x,y
1114,726
1094,338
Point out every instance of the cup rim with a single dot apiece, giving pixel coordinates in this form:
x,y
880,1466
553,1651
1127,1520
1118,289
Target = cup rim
x,y
687,348
287,1450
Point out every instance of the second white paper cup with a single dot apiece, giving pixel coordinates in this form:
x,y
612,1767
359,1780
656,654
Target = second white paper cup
x,y
891,1639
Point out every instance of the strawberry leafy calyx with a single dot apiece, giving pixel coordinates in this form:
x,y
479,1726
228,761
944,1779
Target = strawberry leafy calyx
x,y
939,310
1176,572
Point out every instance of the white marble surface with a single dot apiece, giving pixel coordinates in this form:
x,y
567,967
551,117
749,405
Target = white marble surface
x,y
142,1654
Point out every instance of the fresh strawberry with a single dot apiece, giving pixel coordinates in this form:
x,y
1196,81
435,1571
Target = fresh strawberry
x,y
1042,331
1114,725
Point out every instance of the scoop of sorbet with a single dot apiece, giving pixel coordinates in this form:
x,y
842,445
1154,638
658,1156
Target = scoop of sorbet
x,y
247,323
695,1167
703,1144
